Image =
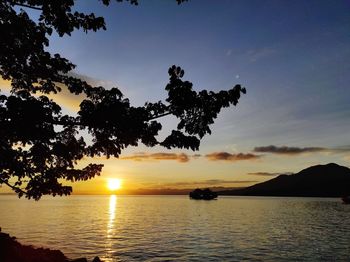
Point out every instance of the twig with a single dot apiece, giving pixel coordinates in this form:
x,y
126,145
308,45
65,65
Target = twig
x,y
16,189
27,6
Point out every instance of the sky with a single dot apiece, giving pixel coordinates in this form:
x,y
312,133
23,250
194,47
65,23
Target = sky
x,y
293,57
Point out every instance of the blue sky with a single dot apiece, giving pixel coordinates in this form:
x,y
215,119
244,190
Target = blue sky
x,y
292,56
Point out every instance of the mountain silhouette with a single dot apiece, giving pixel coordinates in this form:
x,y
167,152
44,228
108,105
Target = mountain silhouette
x,y
329,180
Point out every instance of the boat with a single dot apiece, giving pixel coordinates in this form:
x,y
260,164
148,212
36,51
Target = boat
x,y
203,194
346,199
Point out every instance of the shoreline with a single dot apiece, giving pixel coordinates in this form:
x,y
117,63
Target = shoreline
x,y
13,251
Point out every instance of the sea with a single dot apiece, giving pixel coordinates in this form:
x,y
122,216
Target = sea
x,y
175,228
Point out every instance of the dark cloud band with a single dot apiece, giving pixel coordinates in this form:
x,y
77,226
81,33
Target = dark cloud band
x,y
182,157
269,174
286,150
225,156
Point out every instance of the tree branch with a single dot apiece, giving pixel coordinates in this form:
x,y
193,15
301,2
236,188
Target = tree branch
x,y
66,123
159,116
27,6
14,188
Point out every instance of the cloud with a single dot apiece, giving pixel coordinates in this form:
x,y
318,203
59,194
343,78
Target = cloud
x,y
290,151
228,52
269,174
182,157
286,150
71,101
209,182
340,149
92,81
225,156
257,54
221,181
65,98
5,85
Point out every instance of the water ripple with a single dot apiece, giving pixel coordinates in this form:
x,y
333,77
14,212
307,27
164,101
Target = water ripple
x,y
156,228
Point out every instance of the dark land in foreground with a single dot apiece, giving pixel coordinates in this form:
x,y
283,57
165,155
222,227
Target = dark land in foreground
x,y
329,180
13,251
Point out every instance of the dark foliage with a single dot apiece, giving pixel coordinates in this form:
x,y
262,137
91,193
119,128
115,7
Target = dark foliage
x,y
39,145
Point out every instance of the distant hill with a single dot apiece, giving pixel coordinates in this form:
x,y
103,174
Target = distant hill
x,y
169,191
329,180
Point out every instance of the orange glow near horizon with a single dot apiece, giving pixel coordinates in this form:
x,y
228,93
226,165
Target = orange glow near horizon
x,y
114,184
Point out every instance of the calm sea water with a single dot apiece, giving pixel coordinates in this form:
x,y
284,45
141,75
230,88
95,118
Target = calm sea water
x,y
175,228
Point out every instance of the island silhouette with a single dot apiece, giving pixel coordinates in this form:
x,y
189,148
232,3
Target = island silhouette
x,y
330,180
203,194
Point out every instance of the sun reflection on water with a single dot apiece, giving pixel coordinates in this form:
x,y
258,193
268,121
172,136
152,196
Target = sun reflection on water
x,y
110,229
112,212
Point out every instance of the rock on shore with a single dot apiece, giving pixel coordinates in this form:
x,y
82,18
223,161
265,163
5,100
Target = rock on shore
x,y
13,251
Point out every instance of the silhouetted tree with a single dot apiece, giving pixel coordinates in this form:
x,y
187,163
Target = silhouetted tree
x,y
39,145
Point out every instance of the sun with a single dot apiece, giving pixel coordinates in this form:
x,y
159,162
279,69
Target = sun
x,y
114,184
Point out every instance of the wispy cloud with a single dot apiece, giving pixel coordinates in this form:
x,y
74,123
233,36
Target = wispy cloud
x,y
341,149
225,156
221,181
287,150
5,85
64,98
71,101
93,81
196,156
347,158
257,54
182,157
269,174
208,182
